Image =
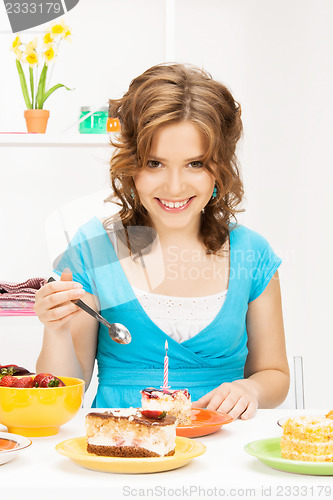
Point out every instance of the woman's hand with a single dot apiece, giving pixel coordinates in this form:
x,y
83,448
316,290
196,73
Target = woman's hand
x,y
70,335
237,399
53,302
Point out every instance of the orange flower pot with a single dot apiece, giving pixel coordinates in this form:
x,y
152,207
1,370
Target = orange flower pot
x,y
36,120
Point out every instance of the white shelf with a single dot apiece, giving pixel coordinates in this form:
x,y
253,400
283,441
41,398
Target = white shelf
x,y
19,319
25,139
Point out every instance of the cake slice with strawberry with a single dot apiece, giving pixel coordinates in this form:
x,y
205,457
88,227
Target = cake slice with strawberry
x,y
175,402
130,432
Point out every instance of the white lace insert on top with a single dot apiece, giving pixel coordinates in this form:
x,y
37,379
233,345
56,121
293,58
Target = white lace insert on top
x,y
180,317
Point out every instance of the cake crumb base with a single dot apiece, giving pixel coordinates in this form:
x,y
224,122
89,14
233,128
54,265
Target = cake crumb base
x,y
123,451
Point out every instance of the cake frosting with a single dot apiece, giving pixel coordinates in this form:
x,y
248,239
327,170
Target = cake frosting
x,y
308,438
175,402
128,433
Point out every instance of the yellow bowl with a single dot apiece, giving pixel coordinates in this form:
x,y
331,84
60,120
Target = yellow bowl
x,y
39,412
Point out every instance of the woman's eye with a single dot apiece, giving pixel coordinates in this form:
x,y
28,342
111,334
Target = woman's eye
x,y
153,164
196,164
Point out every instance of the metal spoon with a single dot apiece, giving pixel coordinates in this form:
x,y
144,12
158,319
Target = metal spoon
x,y
117,331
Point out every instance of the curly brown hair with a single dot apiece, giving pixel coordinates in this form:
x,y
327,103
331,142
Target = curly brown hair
x,y
166,94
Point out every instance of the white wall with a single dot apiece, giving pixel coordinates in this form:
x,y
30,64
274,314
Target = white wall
x,y
275,57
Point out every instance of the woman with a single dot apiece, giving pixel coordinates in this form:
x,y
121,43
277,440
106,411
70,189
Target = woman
x,y
173,263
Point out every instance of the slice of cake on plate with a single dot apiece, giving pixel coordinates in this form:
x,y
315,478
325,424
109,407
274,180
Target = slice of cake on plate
x,y
174,402
129,433
308,438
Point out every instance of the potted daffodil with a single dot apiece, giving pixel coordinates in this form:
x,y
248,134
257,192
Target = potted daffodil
x,y
39,61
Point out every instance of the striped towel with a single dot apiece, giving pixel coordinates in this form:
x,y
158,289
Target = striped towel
x,y
21,291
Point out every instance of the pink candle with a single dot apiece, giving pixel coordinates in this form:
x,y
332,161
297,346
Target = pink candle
x,y
166,367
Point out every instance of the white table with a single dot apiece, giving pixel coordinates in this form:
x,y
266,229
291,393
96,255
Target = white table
x,y
225,470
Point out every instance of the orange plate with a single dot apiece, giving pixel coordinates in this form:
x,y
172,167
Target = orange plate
x,y
203,422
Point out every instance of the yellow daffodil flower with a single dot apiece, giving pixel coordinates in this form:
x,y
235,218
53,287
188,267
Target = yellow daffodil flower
x,y
16,43
31,45
49,54
67,32
57,29
48,38
31,58
61,29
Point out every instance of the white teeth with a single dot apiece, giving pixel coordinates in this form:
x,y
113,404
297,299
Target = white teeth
x,y
178,204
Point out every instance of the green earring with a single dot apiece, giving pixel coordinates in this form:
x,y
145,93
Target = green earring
x,y
214,192
132,193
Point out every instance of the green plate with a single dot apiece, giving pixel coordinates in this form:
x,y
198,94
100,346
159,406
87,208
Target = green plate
x,y
268,451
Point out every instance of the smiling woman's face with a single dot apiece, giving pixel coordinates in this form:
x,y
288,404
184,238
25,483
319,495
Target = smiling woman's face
x,y
174,186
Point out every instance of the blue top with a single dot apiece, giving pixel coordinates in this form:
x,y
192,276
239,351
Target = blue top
x,y
215,355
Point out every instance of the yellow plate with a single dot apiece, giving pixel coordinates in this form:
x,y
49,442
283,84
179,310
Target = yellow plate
x,y
76,449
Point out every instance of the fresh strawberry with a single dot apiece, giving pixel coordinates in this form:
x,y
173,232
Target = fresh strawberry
x,y
153,414
40,377
51,381
25,382
8,381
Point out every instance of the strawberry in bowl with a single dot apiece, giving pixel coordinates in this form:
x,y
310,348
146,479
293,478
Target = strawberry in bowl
x,y
51,381
24,382
8,381
38,405
42,380
47,380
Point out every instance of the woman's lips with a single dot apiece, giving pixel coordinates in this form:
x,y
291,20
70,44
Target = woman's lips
x,y
174,210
